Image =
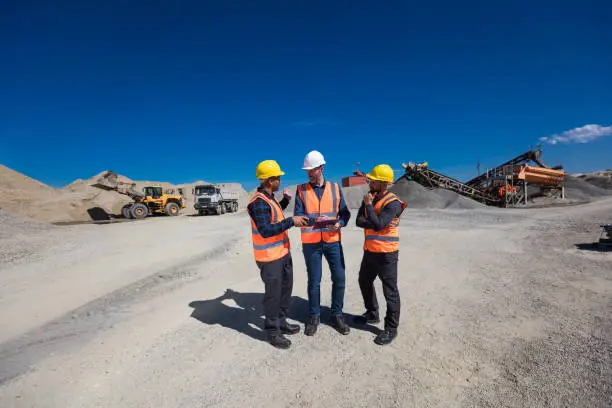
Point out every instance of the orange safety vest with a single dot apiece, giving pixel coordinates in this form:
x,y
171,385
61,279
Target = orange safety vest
x,y
329,206
272,248
387,239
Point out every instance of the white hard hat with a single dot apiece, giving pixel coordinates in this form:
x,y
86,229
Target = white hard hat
x,y
313,160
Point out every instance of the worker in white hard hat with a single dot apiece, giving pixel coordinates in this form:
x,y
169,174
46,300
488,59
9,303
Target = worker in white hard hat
x,y
272,251
323,203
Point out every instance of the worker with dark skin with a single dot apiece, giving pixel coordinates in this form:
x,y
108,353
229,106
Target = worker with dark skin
x,y
379,216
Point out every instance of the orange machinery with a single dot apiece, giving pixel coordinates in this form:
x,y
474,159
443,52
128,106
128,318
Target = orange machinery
x,y
541,175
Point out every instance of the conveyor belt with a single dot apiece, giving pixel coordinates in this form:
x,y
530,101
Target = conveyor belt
x,y
429,178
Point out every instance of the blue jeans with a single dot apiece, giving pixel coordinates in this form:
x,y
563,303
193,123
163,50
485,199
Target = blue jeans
x,y
313,254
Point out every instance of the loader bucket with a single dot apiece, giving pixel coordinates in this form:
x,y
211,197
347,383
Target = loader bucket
x,y
107,181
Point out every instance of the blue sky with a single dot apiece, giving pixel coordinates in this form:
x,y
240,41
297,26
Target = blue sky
x,y
188,90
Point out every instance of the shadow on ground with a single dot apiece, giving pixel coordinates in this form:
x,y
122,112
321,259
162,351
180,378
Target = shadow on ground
x,y
594,246
247,317
100,214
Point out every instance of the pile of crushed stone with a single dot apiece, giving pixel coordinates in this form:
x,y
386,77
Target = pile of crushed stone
x,y
601,179
412,193
417,196
580,190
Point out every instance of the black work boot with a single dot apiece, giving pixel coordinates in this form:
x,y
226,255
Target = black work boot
x,y
288,328
370,317
385,337
338,323
279,341
311,325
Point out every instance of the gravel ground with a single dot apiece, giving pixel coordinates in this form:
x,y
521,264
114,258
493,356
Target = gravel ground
x,y
500,307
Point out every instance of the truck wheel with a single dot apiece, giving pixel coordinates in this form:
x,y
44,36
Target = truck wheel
x,y
139,211
201,212
172,209
235,207
125,211
221,209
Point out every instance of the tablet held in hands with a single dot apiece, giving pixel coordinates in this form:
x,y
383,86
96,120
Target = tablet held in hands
x,y
324,222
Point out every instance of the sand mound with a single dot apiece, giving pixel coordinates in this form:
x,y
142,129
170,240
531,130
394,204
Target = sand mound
x,y
12,180
20,194
79,200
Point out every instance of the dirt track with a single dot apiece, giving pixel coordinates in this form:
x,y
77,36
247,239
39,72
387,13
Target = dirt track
x,y
499,308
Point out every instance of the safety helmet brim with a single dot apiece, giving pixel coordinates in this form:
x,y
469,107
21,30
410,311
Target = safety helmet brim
x,y
275,174
373,177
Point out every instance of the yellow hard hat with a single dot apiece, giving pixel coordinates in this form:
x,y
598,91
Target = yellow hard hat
x,y
267,169
382,172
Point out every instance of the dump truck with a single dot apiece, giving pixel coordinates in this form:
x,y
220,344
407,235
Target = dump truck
x,y
151,200
214,199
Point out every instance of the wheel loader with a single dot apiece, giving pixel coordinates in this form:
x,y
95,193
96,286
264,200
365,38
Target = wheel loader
x,y
152,200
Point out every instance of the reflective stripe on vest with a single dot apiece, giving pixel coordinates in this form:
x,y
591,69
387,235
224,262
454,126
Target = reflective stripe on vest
x,y
272,248
328,206
387,239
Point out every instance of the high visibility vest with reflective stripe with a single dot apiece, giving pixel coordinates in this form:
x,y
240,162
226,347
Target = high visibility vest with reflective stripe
x,y
387,239
329,206
272,248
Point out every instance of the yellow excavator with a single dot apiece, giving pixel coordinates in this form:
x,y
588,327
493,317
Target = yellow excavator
x,y
152,199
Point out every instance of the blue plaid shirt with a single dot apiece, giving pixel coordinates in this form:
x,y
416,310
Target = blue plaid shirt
x,y
261,214
373,221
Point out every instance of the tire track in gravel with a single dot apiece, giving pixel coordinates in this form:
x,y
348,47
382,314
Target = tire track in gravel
x,y
76,328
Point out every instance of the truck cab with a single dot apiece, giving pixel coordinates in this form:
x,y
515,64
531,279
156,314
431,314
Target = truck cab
x,y
212,199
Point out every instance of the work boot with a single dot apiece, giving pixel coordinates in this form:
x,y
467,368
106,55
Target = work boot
x,y
288,328
370,317
279,341
385,337
338,323
311,325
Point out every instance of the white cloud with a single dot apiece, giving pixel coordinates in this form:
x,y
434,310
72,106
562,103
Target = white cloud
x,y
584,134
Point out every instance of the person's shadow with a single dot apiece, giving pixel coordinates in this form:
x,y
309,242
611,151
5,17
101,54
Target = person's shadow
x,y
248,316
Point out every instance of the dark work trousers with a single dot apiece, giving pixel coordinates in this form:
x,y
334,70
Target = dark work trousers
x,y
313,255
384,266
277,277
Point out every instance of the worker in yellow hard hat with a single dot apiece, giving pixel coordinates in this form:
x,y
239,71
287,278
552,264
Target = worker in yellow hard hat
x,y
271,248
379,216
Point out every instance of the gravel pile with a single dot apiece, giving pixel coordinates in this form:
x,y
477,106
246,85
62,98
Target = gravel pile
x,y
578,189
601,179
354,195
412,193
417,196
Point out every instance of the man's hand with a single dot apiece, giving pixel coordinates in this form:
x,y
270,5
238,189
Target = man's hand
x,y
367,199
300,220
335,227
287,194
